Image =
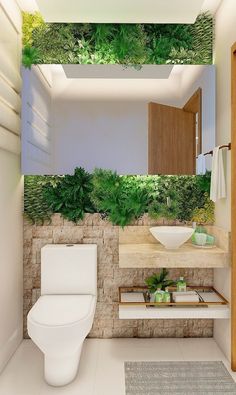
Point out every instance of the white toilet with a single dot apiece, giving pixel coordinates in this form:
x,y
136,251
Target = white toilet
x,y
62,317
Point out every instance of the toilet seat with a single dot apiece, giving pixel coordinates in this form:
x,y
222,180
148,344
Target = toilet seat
x,y
61,310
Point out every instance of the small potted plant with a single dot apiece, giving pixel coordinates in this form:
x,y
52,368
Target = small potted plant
x,y
159,281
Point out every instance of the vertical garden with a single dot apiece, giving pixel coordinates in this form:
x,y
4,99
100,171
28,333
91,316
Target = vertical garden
x,y
126,44
120,199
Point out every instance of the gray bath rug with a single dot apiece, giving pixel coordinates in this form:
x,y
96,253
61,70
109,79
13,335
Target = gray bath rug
x,y
175,378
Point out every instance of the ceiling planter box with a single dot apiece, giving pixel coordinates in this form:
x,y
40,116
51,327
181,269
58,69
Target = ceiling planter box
x,y
122,11
116,71
115,43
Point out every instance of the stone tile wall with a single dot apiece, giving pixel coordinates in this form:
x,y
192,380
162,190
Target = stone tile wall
x,y
107,324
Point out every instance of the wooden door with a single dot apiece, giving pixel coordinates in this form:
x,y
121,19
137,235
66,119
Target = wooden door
x,y
233,209
171,140
194,104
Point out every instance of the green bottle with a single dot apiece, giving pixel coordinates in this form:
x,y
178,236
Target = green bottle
x,y
181,285
166,296
200,229
158,296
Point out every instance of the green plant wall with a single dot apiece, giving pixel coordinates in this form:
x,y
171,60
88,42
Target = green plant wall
x,y
127,44
120,199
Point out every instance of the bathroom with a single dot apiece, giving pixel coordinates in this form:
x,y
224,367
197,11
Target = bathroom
x,y
78,123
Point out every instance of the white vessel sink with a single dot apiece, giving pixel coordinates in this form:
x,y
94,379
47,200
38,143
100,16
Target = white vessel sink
x,y
172,237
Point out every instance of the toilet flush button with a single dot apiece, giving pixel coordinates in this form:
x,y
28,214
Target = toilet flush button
x,y
70,245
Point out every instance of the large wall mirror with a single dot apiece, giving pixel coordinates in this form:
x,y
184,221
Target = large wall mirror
x,y
155,120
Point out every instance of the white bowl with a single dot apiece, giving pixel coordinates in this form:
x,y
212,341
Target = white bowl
x,y
172,237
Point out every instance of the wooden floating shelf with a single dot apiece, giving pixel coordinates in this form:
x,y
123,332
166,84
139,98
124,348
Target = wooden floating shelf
x,y
154,255
132,305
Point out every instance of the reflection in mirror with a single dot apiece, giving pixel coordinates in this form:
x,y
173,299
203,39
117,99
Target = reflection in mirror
x,y
156,120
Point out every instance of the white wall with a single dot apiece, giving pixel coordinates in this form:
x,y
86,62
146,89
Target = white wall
x,y
114,134
11,243
36,122
225,38
110,135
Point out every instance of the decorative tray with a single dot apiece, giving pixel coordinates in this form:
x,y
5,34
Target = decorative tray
x,y
139,296
206,246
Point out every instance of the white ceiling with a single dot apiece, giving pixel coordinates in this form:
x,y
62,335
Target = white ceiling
x,y
211,5
120,11
58,10
28,5
115,71
167,90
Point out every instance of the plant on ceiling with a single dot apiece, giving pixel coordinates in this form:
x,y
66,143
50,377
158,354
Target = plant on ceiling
x,y
126,44
201,49
30,22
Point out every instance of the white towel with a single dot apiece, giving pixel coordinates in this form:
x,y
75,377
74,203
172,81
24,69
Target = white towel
x,y
201,164
218,186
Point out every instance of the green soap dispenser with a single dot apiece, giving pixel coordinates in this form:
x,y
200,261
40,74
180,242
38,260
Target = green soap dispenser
x,y
181,285
158,295
166,296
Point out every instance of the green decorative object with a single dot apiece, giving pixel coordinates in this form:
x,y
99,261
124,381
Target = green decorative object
x,y
181,285
158,296
200,229
210,240
159,281
166,296
126,44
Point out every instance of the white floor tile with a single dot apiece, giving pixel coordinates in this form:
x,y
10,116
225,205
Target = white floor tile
x,y
84,382
112,354
101,370
24,373
200,350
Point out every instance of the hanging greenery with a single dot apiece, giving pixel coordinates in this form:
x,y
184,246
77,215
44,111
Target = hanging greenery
x,y
201,49
70,195
127,44
120,198
36,207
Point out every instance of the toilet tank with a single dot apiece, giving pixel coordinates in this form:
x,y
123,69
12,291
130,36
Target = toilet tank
x,y
69,269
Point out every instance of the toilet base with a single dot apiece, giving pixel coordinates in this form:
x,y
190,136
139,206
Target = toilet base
x,y
59,371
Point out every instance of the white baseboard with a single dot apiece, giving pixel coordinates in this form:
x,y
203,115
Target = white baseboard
x,y
10,346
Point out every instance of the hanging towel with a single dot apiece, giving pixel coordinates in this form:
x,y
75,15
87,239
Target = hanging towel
x,y
201,164
218,186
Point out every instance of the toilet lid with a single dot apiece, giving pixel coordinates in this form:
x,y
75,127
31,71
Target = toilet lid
x,y
59,310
